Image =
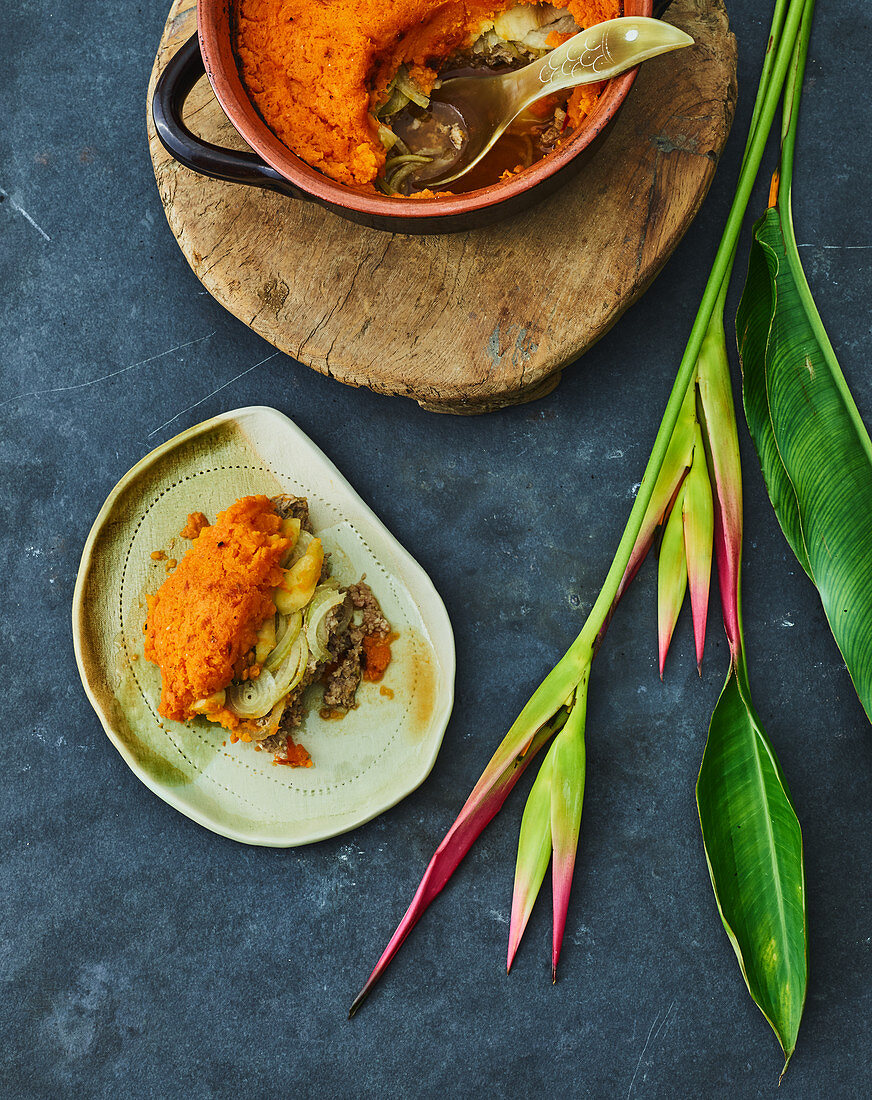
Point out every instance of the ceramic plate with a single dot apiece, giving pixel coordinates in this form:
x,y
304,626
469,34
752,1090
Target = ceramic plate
x,y
364,763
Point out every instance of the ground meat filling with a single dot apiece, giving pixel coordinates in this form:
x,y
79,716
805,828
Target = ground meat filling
x,y
342,676
288,507
554,129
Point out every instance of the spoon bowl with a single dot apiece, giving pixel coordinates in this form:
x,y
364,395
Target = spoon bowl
x,y
468,114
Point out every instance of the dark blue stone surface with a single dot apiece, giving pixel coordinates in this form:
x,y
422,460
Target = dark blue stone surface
x,y
143,956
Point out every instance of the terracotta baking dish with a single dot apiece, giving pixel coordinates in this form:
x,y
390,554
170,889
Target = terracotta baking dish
x,y
273,166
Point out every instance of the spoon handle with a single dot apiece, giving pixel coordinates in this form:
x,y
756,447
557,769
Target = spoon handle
x,y
599,53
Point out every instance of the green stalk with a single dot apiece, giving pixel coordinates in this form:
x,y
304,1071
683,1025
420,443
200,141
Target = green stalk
x,y
664,491
705,361
716,403
792,96
783,185
583,648
763,87
751,833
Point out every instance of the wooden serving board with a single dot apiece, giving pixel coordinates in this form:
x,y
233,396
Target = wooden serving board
x,y
468,322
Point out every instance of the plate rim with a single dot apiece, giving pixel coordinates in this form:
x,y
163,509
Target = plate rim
x,y
445,699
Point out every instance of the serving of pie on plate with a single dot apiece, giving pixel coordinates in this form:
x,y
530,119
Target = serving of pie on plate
x,y
380,750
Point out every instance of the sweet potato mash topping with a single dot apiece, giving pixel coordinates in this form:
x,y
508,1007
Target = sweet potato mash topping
x,y
196,522
317,69
203,620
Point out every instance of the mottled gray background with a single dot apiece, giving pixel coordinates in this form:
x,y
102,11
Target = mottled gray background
x,y
144,957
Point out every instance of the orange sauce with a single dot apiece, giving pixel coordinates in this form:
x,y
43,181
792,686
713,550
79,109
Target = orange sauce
x,y
377,654
295,755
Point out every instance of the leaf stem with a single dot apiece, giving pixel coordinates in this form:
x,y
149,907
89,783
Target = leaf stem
x,y
793,94
775,30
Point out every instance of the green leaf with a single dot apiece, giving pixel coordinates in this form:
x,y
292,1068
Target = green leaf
x,y
753,323
814,450
753,846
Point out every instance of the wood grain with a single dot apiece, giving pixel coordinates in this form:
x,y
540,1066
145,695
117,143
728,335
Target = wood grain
x,y
469,322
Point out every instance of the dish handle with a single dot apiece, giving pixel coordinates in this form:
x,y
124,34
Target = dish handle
x,y
172,89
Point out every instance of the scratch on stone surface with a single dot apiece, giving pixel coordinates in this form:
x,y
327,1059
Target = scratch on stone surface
x,y
112,374
838,247
665,1023
498,916
223,386
20,210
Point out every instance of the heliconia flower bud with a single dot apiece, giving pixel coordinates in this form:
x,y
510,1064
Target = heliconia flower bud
x,y
567,797
699,519
534,854
722,443
551,823
678,458
537,723
671,576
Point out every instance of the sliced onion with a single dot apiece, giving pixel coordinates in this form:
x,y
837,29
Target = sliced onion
x,y
396,102
291,671
290,530
270,724
260,728
304,541
266,640
405,158
215,701
285,641
326,598
406,85
253,698
300,580
386,136
400,175
513,24
538,39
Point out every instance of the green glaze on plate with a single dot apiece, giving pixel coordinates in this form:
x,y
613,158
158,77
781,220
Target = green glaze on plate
x,y
364,763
